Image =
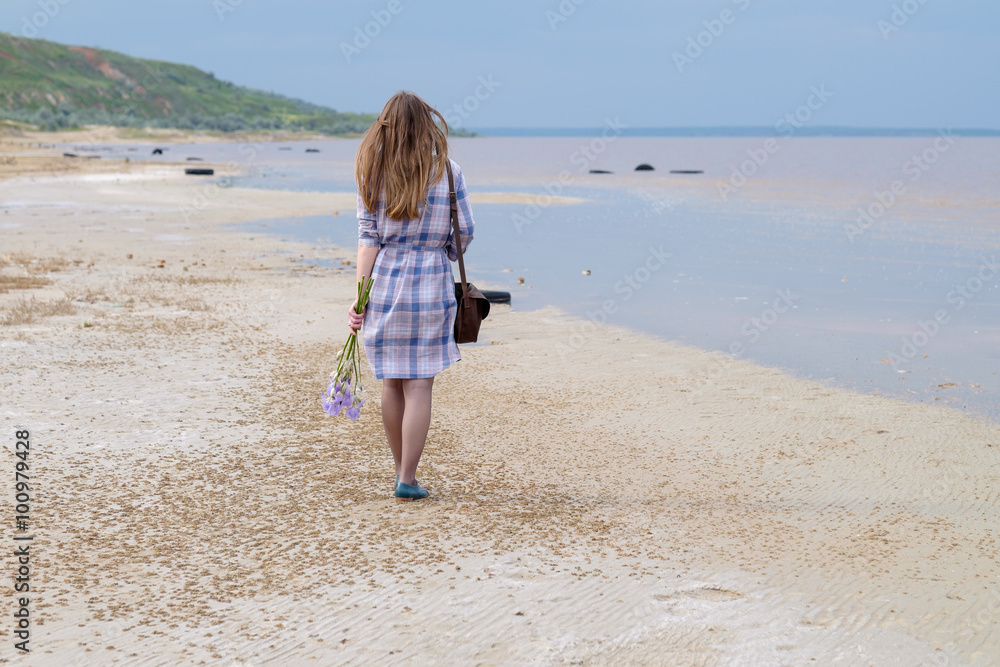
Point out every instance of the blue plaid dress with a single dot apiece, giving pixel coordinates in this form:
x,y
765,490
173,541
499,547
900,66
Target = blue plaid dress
x,y
409,322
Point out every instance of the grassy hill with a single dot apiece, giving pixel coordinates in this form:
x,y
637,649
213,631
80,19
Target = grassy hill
x,y
55,86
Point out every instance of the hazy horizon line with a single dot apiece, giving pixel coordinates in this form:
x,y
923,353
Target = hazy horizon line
x,y
730,131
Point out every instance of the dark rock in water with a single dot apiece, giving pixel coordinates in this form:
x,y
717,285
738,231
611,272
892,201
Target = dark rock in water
x,y
686,171
496,297
195,159
312,150
157,151
70,155
599,171
644,167
200,172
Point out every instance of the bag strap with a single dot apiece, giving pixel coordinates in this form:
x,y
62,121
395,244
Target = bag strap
x,y
458,234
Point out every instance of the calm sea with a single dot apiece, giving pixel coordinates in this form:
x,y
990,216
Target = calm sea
x,y
867,263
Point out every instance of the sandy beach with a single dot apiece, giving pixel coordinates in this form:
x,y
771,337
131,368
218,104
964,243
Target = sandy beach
x,y
617,500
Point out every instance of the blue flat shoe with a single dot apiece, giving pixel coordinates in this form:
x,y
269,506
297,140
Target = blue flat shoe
x,y
407,492
414,479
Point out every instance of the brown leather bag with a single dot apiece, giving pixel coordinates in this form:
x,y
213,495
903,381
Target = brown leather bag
x,y
473,307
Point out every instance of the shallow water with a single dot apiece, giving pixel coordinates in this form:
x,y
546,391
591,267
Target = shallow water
x,y
908,306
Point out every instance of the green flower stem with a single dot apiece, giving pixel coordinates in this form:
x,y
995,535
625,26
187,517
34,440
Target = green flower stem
x,y
348,364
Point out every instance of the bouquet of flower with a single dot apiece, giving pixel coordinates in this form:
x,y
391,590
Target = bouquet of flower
x,y
338,395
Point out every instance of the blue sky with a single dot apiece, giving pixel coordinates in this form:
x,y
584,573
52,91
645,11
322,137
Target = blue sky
x,y
575,63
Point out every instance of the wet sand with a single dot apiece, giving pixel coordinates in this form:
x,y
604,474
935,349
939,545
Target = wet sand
x,y
598,496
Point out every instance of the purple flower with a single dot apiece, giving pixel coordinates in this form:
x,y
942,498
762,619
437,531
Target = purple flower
x,y
354,412
340,395
332,407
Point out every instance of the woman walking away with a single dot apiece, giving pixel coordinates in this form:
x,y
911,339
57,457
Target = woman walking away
x,y
405,242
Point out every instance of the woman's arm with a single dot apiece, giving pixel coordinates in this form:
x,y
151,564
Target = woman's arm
x,y
465,222
366,260
366,263
368,247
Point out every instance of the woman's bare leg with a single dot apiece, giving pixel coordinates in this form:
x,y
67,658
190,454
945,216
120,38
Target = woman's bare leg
x,y
392,417
415,424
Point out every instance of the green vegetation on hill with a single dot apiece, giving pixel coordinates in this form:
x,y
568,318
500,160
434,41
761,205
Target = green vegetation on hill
x,y
55,86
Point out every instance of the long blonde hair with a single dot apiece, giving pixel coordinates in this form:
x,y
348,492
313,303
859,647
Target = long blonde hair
x,y
400,155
